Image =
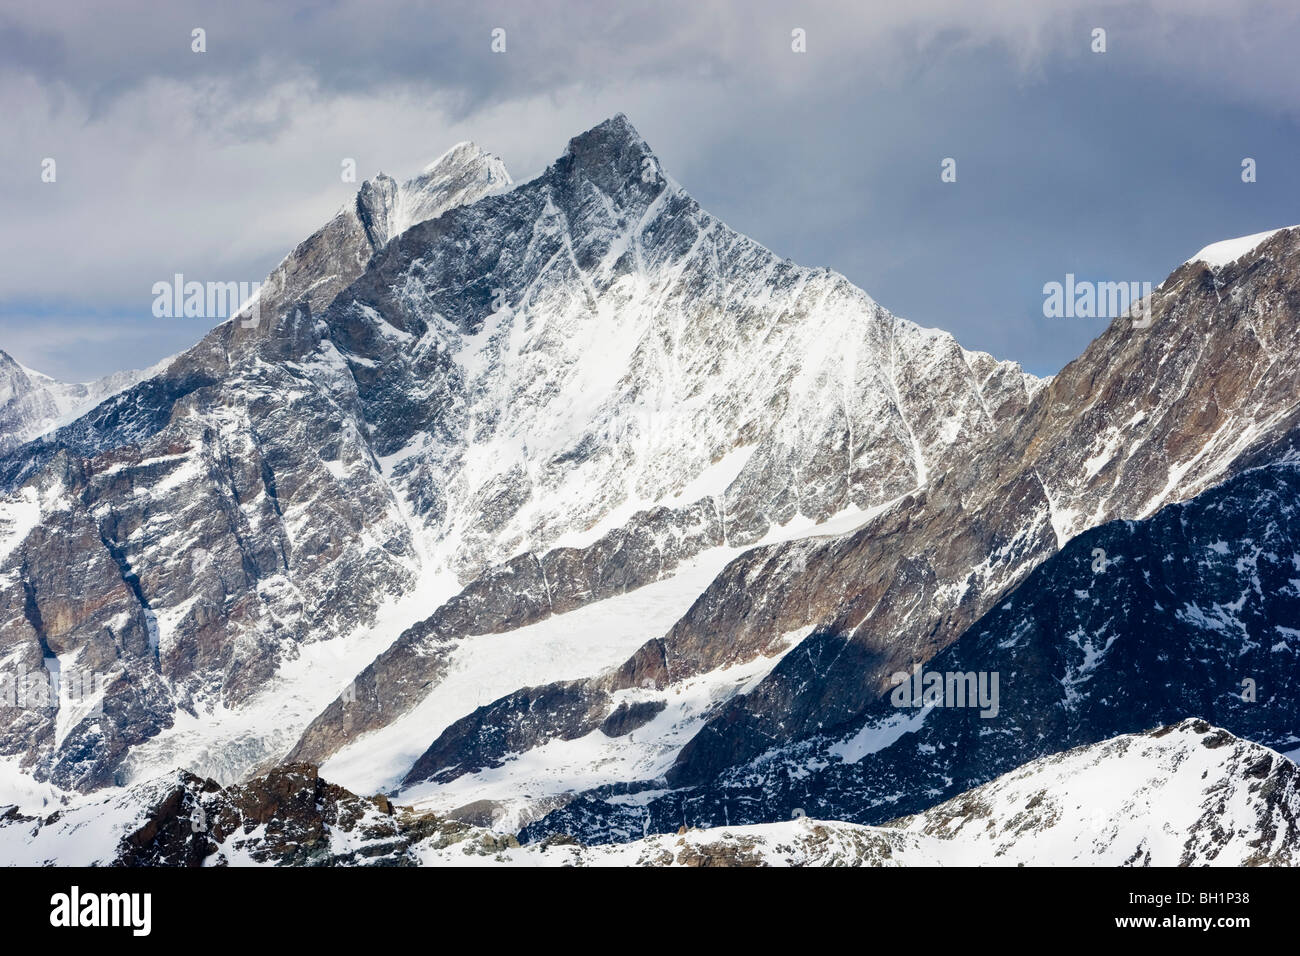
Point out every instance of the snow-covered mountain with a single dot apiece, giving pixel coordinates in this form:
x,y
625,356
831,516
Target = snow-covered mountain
x,y
32,403
826,621
648,385
552,394
562,509
1183,795
90,601
1128,627
333,256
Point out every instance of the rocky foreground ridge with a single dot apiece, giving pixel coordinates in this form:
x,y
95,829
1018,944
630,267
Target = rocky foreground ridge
x,y
1186,794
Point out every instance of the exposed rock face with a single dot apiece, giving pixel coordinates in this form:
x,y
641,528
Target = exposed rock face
x,y
1097,442
1143,418
570,710
1129,626
335,255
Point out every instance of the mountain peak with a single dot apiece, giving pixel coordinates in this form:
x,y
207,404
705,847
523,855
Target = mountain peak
x,y
613,136
464,153
611,155
462,174
618,128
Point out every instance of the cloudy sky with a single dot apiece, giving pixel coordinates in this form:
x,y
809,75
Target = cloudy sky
x,y
1113,166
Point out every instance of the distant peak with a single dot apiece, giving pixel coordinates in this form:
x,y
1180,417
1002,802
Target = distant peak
x,y
463,153
466,160
461,175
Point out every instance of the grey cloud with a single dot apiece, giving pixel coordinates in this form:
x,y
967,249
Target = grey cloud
x,y
216,164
